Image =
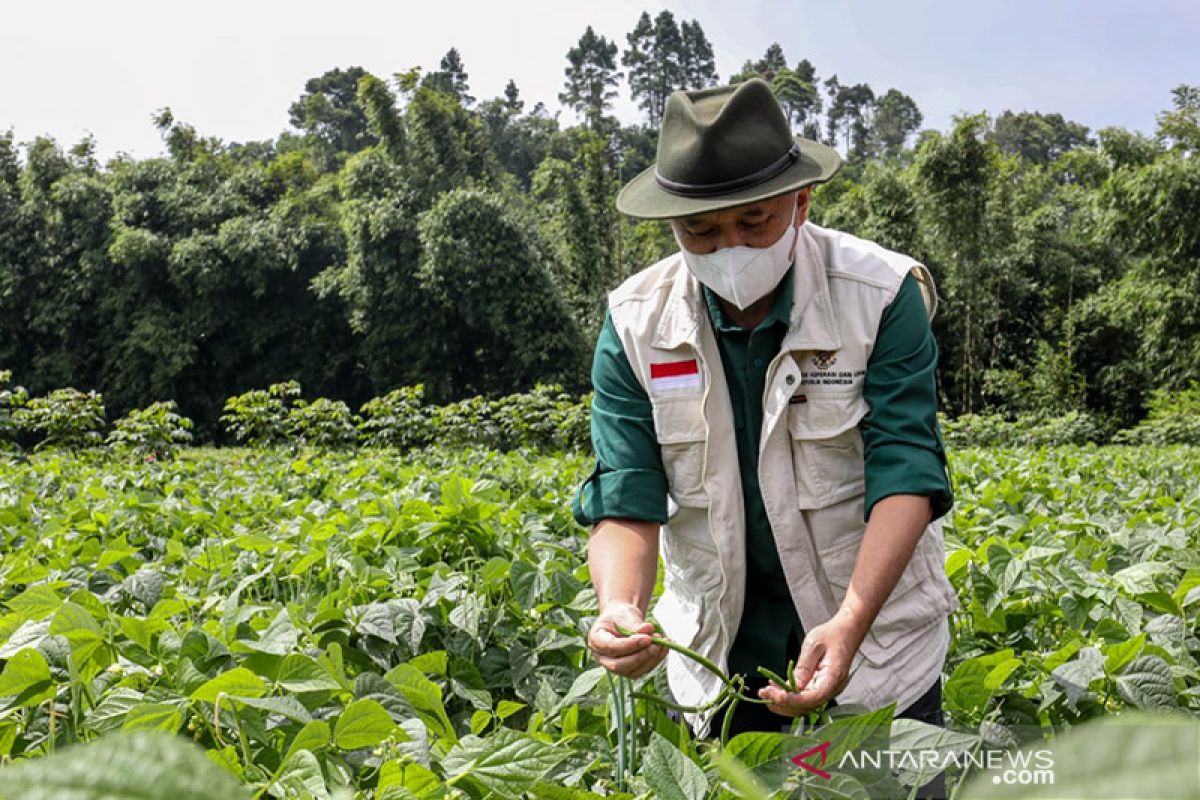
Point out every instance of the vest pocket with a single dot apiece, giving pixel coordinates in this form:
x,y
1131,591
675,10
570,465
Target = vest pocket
x,y
680,430
917,600
827,448
688,599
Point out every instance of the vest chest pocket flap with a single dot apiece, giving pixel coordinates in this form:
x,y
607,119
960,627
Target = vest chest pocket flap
x,y
679,427
827,448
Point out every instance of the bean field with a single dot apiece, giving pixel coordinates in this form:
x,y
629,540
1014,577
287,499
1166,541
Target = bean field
x,y
368,625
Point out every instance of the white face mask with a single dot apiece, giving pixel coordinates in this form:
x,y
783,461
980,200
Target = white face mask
x,y
743,274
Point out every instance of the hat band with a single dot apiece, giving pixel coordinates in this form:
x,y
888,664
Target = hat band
x,y
744,182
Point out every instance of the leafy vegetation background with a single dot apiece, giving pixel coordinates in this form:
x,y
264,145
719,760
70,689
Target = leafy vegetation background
x,y
406,232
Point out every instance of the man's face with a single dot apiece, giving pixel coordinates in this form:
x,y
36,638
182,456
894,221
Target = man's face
x,y
753,225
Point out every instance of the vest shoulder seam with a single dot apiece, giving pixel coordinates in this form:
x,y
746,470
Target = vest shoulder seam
x,y
888,286
639,297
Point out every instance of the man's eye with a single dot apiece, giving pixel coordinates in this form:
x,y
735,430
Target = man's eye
x,y
753,225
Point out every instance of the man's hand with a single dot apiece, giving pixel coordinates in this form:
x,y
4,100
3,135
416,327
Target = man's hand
x,y
629,656
822,669
623,561
896,524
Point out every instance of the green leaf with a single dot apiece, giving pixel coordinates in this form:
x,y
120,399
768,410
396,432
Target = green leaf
x,y
79,628
1075,676
285,705
670,774
27,677
965,689
280,637
313,736
550,791
131,766
435,662
756,748
36,603
153,716
302,777
1146,682
738,776
425,696
998,674
583,685
506,762
364,723
109,714
299,673
506,708
957,561
847,733
1121,653
416,779
238,681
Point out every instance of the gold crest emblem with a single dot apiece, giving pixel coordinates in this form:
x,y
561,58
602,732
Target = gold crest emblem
x,y
824,359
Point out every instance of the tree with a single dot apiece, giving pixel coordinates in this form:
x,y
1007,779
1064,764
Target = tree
x,y
512,97
582,226
497,322
798,97
955,176
591,77
450,78
376,282
850,110
698,63
833,120
329,111
655,61
518,143
896,118
1035,137
766,67
1181,126
446,146
382,117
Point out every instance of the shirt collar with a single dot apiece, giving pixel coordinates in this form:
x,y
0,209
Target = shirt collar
x,y
780,312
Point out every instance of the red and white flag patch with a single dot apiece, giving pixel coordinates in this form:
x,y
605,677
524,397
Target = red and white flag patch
x,y
674,376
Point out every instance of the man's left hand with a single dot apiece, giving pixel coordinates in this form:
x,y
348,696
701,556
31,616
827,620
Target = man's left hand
x,y
823,669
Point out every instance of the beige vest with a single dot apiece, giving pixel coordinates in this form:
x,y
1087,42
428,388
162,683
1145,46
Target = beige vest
x,y
810,467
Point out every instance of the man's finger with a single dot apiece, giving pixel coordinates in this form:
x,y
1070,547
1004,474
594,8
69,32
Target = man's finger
x,y
635,665
607,643
810,658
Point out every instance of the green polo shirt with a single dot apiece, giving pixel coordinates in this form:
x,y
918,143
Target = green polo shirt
x,y
902,445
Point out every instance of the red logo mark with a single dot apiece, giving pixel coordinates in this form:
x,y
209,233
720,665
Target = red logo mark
x,y
823,749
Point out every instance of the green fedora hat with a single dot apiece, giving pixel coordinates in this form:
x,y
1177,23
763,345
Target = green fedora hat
x,y
723,147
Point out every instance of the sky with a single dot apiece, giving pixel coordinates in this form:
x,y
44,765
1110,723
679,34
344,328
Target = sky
x,y
231,69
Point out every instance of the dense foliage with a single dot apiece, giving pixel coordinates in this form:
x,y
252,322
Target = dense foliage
x,y
413,626
405,233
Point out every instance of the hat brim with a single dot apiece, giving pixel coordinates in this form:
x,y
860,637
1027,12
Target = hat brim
x,y
643,198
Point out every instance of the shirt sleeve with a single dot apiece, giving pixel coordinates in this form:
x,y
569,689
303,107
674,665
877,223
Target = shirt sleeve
x,y
902,442
628,481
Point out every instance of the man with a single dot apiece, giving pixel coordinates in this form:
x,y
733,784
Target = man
x,y
766,397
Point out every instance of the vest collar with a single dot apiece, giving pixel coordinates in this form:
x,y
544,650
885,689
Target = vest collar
x,y
811,326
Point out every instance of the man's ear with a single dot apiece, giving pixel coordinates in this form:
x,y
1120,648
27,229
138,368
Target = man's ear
x,y
802,198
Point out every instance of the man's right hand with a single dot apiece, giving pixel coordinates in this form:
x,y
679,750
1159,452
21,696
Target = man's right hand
x,y
629,656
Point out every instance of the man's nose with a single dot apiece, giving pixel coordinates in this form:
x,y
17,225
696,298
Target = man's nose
x,y
730,237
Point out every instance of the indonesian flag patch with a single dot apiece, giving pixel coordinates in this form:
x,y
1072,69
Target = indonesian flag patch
x,y
674,376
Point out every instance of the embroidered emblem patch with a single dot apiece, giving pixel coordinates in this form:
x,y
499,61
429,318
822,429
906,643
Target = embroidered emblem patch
x,y
674,376
824,359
